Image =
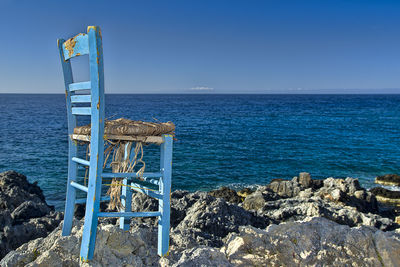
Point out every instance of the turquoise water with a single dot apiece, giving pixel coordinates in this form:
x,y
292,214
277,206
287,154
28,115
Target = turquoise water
x,y
234,140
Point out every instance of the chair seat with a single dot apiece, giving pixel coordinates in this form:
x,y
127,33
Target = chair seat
x,y
129,130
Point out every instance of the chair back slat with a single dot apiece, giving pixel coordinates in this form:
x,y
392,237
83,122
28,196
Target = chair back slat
x,y
76,46
81,99
80,86
81,111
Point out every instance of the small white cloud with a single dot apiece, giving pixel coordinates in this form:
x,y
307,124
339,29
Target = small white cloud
x,y
202,88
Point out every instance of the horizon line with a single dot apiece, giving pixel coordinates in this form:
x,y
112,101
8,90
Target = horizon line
x,y
203,93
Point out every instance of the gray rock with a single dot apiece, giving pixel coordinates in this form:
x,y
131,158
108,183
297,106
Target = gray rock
x,y
388,179
24,213
30,209
215,218
305,179
227,194
258,199
204,257
293,209
114,247
317,242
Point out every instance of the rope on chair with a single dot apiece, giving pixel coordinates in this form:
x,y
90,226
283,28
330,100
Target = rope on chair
x,y
121,162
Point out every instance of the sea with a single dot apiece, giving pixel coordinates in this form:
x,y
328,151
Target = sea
x,y
221,140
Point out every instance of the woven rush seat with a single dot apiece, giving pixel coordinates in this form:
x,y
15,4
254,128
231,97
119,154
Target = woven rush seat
x,y
129,130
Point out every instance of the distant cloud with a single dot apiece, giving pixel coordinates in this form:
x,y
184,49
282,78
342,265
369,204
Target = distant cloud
x,y
202,88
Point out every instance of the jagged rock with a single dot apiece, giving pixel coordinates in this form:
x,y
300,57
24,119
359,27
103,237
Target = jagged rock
x,y
200,221
291,188
216,218
340,200
24,214
388,179
79,211
258,199
245,192
30,209
305,179
349,192
386,196
114,247
181,201
285,188
15,190
202,256
317,242
293,209
227,194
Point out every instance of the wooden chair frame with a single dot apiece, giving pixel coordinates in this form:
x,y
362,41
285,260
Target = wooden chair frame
x,y
91,44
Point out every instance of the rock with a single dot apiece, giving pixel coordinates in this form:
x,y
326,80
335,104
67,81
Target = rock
x,y
349,192
386,196
30,209
245,192
316,242
292,188
305,179
202,256
215,218
15,190
285,188
340,200
79,211
302,223
293,209
227,194
24,213
258,199
388,179
114,247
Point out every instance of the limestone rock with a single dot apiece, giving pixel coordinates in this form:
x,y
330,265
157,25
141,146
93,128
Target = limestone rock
x,y
227,194
202,256
245,192
305,179
216,218
24,213
258,199
388,179
386,196
114,247
317,242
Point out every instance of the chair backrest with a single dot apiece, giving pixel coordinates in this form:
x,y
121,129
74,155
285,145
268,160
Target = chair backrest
x,y
85,44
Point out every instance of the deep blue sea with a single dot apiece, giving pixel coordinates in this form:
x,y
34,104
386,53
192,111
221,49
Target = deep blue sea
x,y
234,140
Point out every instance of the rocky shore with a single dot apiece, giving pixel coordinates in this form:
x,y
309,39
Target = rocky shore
x,y
297,222
24,214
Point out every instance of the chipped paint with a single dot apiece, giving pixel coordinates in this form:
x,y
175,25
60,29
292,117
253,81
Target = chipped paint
x,y
69,45
91,27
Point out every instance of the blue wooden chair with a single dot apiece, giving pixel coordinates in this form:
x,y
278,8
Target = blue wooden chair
x,y
92,104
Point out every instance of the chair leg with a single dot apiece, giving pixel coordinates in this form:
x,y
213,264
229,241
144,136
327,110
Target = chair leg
x,y
71,191
92,209
126,197
164,205
126,200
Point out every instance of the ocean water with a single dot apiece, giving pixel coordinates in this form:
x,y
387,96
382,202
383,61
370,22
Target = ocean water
x,y
234,140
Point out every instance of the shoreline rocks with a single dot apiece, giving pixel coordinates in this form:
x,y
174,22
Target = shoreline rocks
x,y
24,213
388,179
386,196
301,221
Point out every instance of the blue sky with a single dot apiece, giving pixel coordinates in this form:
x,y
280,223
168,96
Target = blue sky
x,y
209,46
